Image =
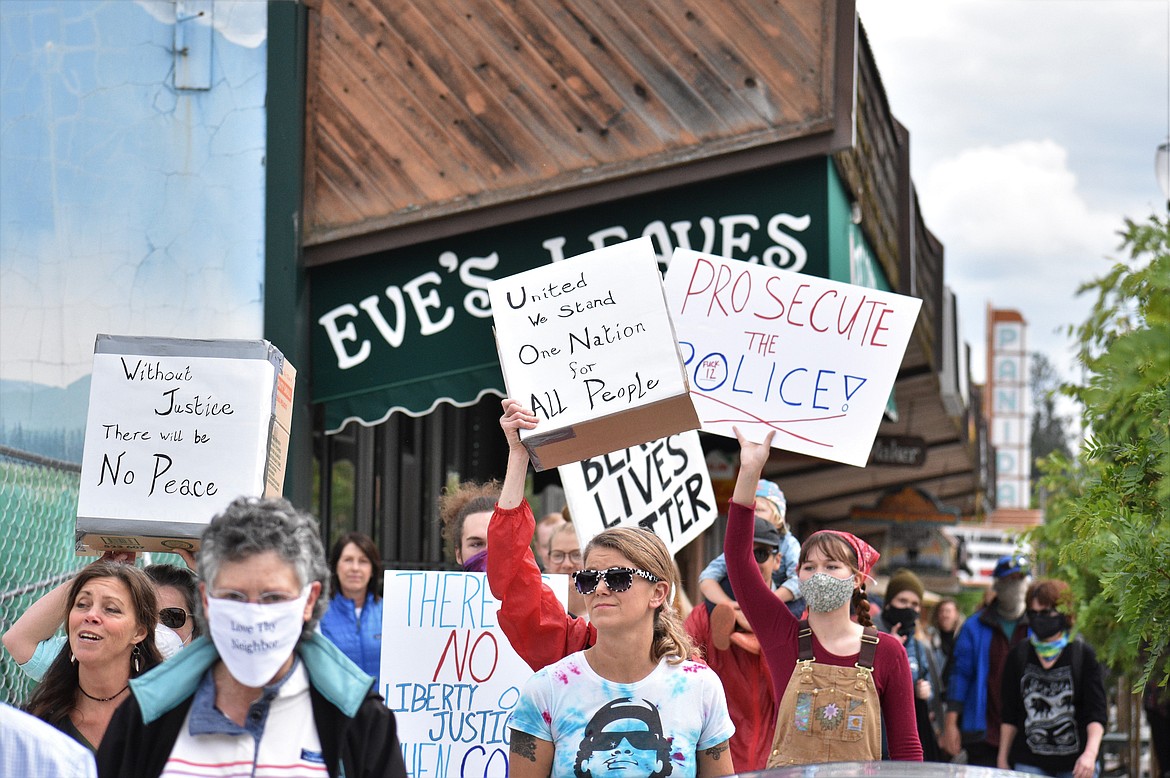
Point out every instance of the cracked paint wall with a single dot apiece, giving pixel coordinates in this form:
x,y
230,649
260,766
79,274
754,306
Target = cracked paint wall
x,y
127,206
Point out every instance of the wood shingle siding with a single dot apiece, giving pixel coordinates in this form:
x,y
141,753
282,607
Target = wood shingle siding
x,y
423,109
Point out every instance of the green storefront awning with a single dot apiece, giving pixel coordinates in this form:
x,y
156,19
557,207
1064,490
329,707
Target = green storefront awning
x,y
406,329
414,397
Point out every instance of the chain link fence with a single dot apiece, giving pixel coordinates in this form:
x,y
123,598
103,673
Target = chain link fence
x,y
38,509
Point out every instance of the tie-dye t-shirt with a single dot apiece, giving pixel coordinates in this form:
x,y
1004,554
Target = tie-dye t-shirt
x,y
635,730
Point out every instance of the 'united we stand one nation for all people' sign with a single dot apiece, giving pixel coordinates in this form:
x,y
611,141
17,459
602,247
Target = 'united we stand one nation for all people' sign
x,y
764,349
587,344
449,673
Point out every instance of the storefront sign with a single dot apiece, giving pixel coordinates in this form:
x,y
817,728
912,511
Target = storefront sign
x,y
767,349
448,672
898,450
405,329
661,486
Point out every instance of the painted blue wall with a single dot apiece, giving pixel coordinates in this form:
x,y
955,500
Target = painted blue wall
x,y
127,206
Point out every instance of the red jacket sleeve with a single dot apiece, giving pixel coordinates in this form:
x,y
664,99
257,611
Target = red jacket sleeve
x,y
531,616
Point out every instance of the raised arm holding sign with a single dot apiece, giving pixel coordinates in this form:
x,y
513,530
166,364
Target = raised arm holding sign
x,y
534,620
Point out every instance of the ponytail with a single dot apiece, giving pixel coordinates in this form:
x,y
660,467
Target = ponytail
x,y
861,607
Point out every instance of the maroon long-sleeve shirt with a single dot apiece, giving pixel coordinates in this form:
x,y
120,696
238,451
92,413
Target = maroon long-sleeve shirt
x,y
776,628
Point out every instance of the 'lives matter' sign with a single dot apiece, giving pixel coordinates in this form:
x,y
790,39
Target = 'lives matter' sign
x,y
813,359
449,673
662,486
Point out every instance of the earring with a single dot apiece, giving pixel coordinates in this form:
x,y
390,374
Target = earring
x,y
135,657
72,659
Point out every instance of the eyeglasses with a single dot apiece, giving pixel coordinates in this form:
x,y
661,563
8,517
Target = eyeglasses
x,y
173,617
1046,612
559,557
267,598
762,555
639,739
617,579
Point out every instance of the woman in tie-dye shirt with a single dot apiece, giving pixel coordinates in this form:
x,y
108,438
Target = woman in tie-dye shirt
x,y
634,704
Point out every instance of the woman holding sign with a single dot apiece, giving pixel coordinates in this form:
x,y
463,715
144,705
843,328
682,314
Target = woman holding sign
x,y
110,613
531,616
634,703
838,680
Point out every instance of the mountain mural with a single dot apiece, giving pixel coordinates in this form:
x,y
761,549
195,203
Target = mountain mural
x,y
44,420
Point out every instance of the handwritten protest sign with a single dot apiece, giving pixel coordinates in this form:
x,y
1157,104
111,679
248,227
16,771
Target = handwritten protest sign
x,y
449,673
661,486
813,359
588,345
176,430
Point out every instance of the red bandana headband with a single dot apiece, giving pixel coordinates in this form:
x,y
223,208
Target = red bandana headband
x,y
867,555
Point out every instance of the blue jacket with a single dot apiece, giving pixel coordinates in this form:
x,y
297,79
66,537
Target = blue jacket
x,y
360,640
358,732
970,668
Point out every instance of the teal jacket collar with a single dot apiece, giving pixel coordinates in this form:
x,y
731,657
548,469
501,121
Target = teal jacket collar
x,y
331,674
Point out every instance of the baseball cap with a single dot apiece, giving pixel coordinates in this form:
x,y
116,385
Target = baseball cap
x,y
766,534
1011,564
771,492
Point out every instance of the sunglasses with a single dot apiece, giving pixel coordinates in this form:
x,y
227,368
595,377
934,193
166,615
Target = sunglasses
x,y
639,739
762,555
172,617
617,579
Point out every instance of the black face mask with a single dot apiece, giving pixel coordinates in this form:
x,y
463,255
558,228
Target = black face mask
x,y
1047,624
906,617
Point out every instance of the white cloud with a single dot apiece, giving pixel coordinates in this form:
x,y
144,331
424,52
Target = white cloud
x,y
243,22
1018,235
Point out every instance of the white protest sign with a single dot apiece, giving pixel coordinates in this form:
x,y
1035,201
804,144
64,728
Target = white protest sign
x,y
177,429
813,359
449,673
662,486
587,344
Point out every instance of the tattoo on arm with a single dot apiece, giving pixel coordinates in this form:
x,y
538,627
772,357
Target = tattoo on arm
x,y
716,751
523,745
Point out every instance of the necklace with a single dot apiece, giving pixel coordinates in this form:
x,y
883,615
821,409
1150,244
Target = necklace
x,y
103,699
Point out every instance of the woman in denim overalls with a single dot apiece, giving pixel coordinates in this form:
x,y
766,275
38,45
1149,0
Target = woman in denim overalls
x,y
838,679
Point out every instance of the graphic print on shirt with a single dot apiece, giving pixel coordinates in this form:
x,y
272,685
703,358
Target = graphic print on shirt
x,y
1050,723
624,738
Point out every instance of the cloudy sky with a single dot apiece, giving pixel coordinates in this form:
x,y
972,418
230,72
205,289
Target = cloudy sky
x,y
1033,128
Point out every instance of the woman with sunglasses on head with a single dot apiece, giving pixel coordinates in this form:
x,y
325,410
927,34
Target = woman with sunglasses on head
x,y
838,680
571,718
531,616
109,611
1053,701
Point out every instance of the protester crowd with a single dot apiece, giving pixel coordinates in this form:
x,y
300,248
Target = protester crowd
x,y
265,651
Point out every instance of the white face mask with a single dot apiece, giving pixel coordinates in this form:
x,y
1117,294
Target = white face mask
x,y
167,640
254,640
823,592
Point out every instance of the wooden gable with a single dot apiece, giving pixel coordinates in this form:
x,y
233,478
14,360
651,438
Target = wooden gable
x,y
420,110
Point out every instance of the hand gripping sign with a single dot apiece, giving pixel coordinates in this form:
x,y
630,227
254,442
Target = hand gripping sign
x,y
764,349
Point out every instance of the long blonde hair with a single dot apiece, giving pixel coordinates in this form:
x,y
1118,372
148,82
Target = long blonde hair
x,y
646,550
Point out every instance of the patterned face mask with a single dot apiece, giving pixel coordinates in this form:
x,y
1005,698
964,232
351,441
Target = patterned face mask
x,y
824,592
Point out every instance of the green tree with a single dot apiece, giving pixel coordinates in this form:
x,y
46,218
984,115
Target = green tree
x,y
1049,428
1106,528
